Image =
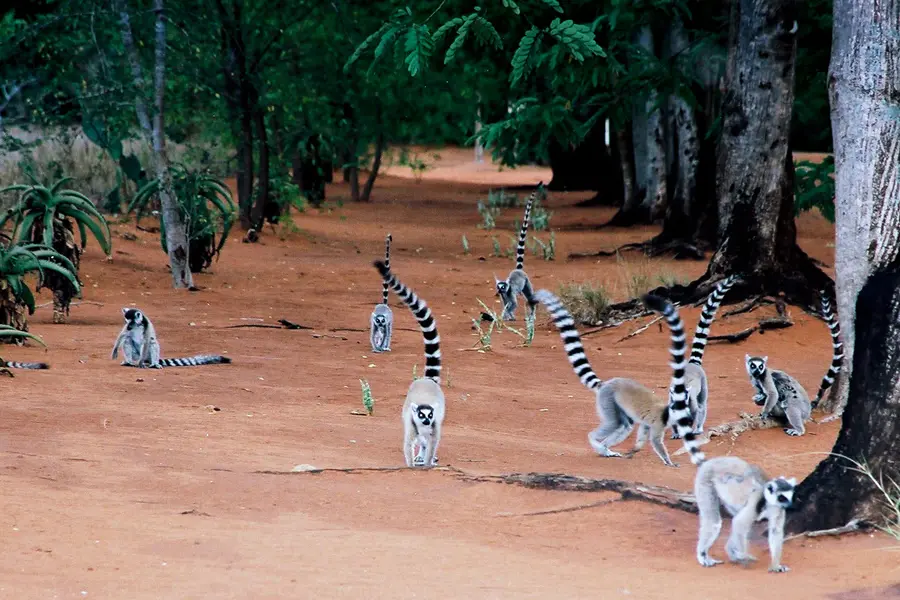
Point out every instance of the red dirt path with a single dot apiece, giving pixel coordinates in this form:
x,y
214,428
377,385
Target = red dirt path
x,y
119,483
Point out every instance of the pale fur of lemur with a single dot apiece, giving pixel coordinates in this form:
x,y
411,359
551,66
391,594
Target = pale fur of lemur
x,y
728,482
621,403
517,282
695,377
381,323
782,396
140,346
424,407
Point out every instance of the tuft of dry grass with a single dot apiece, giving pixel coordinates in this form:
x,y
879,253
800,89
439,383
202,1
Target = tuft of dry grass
x,y
586,302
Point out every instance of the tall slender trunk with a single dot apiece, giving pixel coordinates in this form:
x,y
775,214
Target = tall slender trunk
x,y
366,194
262,197
626,162
176,232
479,147
864,91
687,146
651,170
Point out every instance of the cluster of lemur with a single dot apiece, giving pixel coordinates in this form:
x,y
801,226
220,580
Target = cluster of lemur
x,y
729,482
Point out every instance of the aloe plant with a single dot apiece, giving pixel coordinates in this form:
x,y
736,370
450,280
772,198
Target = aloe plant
x,y
16,262
48,216
202,201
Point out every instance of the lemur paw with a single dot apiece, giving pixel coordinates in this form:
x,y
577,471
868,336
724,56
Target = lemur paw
x,y
611,454
792,432
706,561
676,436
779,569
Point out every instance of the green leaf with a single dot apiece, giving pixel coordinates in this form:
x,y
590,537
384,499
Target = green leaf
x,y
461,34
522,58
486,33
443,29
419,48
512,5
553,4
365,46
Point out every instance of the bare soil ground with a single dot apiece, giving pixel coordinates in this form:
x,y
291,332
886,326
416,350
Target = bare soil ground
x,y
125,483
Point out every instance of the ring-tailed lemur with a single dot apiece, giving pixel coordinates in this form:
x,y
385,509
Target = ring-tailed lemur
x,y
381,323
837,351
517,281
730,482
782,396
695,377
140,346
424,407
620,402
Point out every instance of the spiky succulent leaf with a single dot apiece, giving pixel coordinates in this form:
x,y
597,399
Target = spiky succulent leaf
x,y
9,331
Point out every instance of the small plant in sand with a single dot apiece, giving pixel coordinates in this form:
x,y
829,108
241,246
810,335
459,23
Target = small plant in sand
x,y
540,216
367,399
502,199
488,216
545,251
889,489
586,302
465,244
497,250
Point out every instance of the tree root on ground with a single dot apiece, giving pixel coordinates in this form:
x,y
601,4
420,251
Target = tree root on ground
x,y
853,526
680,250
627,490
747,422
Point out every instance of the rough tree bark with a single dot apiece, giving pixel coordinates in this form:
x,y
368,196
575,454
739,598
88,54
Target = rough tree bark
x,y
366,194
687,140
864,90
757,236
835,493
176,233
263,193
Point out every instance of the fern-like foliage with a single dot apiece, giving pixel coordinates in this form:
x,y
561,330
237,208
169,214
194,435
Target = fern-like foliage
x,y
554,5
578,39
512,6
419,48
523,58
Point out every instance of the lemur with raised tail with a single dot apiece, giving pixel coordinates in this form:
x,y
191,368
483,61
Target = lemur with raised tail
x,y
140,346
782,396
728,482
517,282
696,381
381,323
424,407
620,402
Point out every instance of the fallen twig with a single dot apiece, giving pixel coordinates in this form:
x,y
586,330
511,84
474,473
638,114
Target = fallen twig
x,y
774,323
556,511
355,470
852,526
640,330
284,324
748,306
747,422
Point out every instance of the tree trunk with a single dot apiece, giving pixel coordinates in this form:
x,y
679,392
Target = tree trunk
x,y
237,95
626,164
834,494
757,235
176,234
864,90
262,195
687,141
366,194
479,147
312,171
651,169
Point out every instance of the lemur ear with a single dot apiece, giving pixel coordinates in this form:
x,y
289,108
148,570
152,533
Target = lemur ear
x,y
124,310
792,481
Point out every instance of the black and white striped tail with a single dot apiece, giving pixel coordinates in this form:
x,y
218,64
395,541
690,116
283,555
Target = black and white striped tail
x,y
387,265
194,361
9,364
571,340
679,409
701,334
423,315
523,232
838,350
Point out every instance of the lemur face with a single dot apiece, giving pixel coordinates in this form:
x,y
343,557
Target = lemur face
x,y
380,320
133,317
424,414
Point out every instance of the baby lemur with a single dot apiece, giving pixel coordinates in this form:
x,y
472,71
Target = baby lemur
x,y
620,402
517,281
782,396
695,377
726,482
381,323
424,407
140,346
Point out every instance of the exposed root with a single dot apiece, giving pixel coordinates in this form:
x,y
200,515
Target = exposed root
x,y
733,338
851,527
748,306
547,481
557,511
679,249
766,324
747,422
284,324
571,483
